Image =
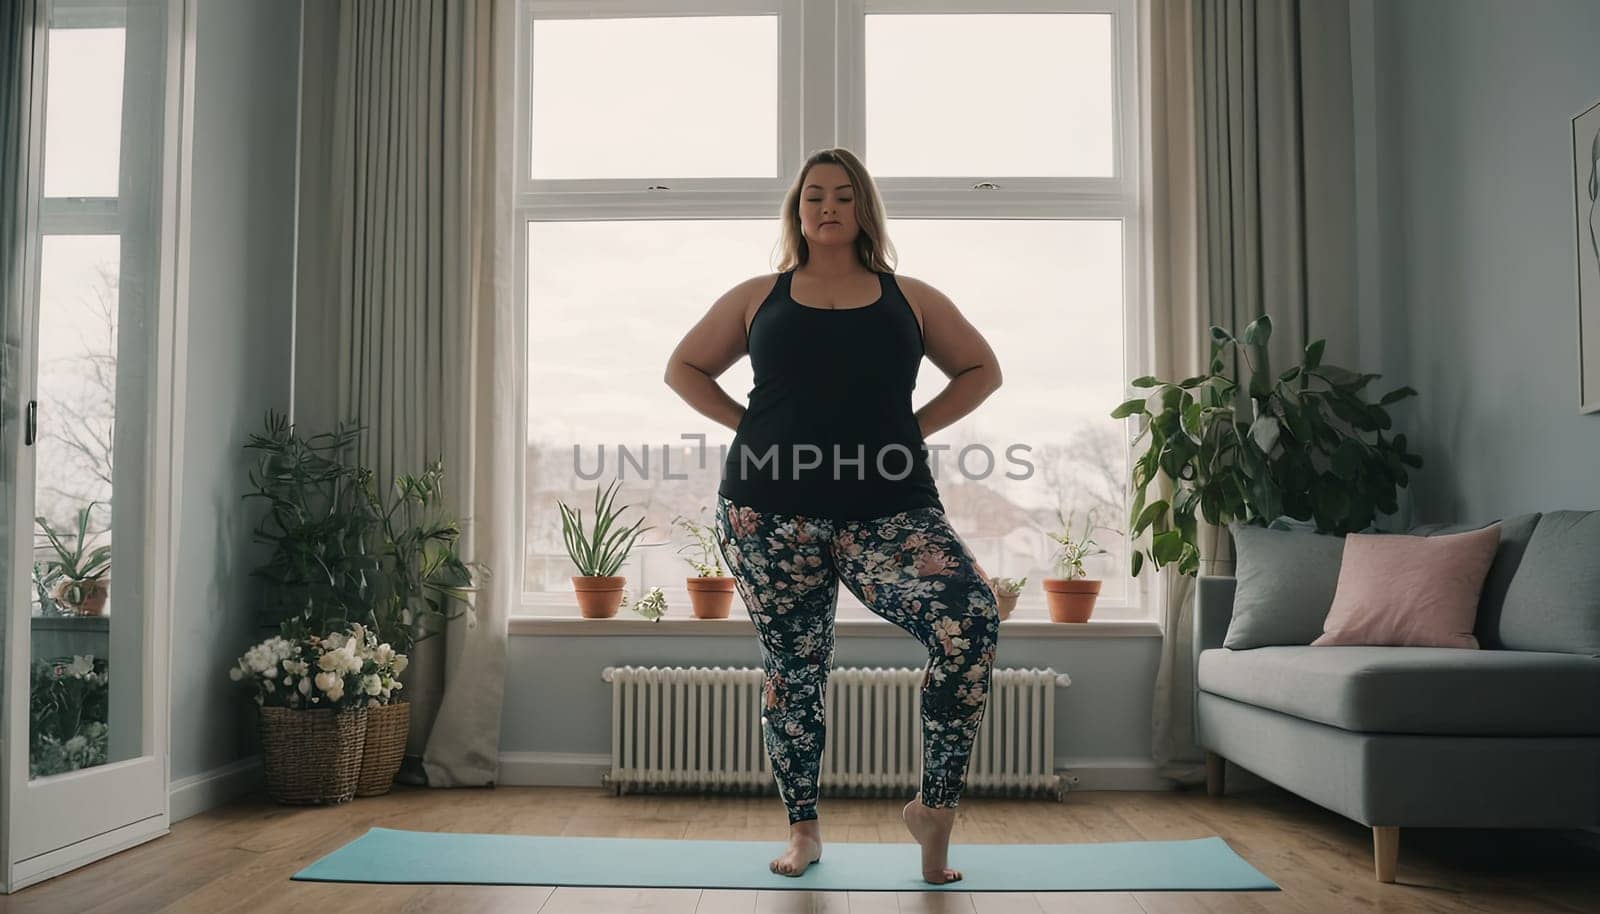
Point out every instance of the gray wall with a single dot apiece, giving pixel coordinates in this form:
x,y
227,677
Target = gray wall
x,y
1468,130
240,286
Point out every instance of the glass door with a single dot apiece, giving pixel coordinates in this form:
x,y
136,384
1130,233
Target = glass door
x,y
87,764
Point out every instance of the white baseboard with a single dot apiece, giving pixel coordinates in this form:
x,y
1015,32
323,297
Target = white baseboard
x,y
1112,774
217,787
579,769
553,769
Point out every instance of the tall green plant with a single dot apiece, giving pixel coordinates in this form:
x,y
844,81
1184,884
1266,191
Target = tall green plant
x,y
1308,445
317,522
419,575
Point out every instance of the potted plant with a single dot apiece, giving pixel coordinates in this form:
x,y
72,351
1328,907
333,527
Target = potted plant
x,y
598,553
1308,445
1071,594
313,700
78,577
710,591
1006,591
343,554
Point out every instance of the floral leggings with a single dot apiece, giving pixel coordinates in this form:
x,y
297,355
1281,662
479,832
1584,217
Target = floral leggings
x,y
910,568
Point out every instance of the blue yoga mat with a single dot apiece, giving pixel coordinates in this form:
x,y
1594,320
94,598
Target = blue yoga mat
x,y
388,855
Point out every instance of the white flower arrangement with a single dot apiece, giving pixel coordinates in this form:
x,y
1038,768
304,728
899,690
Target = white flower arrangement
x,y
653,605
341,670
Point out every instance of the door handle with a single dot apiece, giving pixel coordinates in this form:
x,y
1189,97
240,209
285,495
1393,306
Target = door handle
x,y
30,430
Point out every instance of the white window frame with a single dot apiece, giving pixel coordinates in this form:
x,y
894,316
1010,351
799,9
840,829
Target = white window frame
x,y
81,215
832,114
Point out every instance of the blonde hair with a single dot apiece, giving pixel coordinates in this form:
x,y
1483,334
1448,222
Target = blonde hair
x,y
872,243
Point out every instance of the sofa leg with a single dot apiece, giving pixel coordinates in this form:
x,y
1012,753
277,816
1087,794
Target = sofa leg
x,y
1385,850
1216,774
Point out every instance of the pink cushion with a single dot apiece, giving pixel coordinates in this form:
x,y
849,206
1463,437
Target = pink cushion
x,y
1413,591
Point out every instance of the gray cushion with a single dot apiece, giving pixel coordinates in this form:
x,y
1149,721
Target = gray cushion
x,y
1421,690
1285,586
1553,603
1515,532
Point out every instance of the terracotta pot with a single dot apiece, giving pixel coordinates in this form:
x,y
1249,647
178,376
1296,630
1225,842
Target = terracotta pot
x,y
1070,599
710,597
1008,602
600,595
91,596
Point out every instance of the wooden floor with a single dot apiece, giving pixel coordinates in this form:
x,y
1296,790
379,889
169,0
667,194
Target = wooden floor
x,y
240,857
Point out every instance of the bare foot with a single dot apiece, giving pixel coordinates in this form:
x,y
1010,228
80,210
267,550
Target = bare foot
x,y
805,848
931,827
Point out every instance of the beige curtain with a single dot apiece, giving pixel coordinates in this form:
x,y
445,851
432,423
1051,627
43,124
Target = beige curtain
x,y
405,312
1250,167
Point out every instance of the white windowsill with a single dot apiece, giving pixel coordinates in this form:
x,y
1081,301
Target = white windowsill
x,y
571,624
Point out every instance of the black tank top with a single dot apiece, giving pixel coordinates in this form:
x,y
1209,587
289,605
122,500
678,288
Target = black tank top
x,y
831,382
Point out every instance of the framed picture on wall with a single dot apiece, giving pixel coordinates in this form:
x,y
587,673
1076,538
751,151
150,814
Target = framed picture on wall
x,y
1586,209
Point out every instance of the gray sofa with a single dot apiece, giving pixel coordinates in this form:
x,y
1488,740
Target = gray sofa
x,y
1394,737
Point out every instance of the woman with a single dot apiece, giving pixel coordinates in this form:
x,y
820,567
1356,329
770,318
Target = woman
x,y
828,480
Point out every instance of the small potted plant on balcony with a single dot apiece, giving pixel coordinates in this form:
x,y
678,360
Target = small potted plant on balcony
x,y
78,578
1071,595
710,591
1006,591
599,552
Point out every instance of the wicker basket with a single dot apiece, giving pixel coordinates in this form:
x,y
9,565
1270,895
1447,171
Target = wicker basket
x,y
312,757
387,728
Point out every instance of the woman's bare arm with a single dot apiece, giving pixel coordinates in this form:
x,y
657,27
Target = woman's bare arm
x,y
960,351
706,351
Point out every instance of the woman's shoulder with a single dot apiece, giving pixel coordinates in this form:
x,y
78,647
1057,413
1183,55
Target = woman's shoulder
x,y
757,288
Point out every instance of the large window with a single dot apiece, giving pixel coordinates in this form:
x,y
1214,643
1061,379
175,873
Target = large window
x,y
655,149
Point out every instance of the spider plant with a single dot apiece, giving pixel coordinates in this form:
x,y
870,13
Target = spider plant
x,y
601,551
77,570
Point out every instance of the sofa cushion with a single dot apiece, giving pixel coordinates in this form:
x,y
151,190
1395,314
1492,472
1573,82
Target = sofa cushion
x,y
1419,690
1410,591
1286,582
1515,532
1553,603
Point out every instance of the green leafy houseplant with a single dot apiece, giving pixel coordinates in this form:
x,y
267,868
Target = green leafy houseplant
x,y
342,553
75,577
1308,446
418,575
317,522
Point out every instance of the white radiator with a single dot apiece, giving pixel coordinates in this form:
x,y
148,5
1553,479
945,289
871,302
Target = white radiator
x,y
699,729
